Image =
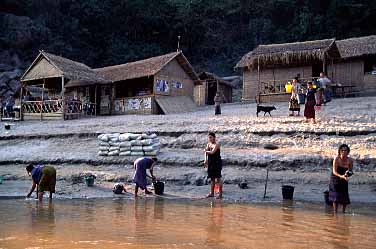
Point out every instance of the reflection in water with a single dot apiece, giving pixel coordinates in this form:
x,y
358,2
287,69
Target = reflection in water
x,y
162,223
158,209
215,223
42,218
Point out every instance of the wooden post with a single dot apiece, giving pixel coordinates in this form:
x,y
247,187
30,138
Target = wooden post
x,y
324,65
62,96
95,100
21,103
332,69
258,78
41,106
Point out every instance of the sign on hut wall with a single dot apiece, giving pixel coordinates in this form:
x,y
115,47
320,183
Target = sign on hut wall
x,y
177,84
137,103
162,86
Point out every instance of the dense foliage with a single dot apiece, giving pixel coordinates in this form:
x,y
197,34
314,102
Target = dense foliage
x,y
214,33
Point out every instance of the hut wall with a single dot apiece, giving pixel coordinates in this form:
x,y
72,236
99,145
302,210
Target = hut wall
x,y
179,82
226,93
348,73
283,74
135,105
199,94
41,70
369,81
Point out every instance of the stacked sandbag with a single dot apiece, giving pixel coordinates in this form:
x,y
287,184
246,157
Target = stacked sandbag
x,y
128,144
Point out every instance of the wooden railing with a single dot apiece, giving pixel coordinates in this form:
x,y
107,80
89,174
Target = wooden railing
x,y
59,106
46,106
278,86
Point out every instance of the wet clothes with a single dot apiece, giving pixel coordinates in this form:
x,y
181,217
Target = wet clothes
x,y
142,164
338,188
215,165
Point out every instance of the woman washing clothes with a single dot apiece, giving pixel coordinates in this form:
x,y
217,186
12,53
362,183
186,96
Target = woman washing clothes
x,y
140,175
213,162
44,177
338,187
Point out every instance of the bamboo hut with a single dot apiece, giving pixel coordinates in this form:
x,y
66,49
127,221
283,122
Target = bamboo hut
x,y
52,73
157,85
357,65
267,68
212,83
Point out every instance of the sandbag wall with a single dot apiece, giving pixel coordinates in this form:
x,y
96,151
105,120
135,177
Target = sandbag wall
x,y
128,144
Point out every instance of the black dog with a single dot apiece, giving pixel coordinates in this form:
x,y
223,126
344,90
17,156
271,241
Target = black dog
x,y
265,109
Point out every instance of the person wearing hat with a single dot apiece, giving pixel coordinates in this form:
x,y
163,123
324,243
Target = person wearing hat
x,y
44,177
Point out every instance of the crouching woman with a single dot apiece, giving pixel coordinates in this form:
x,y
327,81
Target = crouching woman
x,y
44,177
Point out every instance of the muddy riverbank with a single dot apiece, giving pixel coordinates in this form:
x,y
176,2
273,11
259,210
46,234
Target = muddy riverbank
x,y
303,156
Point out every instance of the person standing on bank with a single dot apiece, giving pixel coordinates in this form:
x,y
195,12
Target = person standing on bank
x,y
44,177
140,167
294,104
213,162
338,187
217,103
309,108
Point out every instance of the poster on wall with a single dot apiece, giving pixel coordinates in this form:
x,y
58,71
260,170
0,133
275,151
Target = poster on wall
x,y
162,86
177,84
138,103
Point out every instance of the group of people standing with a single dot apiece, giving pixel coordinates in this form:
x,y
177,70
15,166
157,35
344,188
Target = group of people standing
x,y
310,96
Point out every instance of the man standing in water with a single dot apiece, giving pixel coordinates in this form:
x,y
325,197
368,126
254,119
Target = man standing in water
x,y
140,167
44,177
213,162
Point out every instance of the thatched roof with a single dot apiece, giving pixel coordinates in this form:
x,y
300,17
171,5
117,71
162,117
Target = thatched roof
x,y
145,68
71,70
213,77
289,53
357,46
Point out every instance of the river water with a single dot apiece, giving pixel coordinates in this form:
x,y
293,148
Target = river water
x,y
161,223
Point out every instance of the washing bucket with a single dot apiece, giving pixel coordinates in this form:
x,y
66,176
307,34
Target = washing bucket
x,y
158,187
326,197
287,192
89,180
7,126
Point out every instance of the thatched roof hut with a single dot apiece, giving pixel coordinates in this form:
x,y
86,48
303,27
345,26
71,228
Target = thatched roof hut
x,y
357,47
51,66
145,68
290,53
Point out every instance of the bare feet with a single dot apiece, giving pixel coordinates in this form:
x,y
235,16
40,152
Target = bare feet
x,y
147,192
210,195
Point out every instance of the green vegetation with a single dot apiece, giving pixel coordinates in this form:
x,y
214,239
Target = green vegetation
x,y
214,33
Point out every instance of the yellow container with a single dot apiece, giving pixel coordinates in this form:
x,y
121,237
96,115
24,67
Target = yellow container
x,y
288,87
